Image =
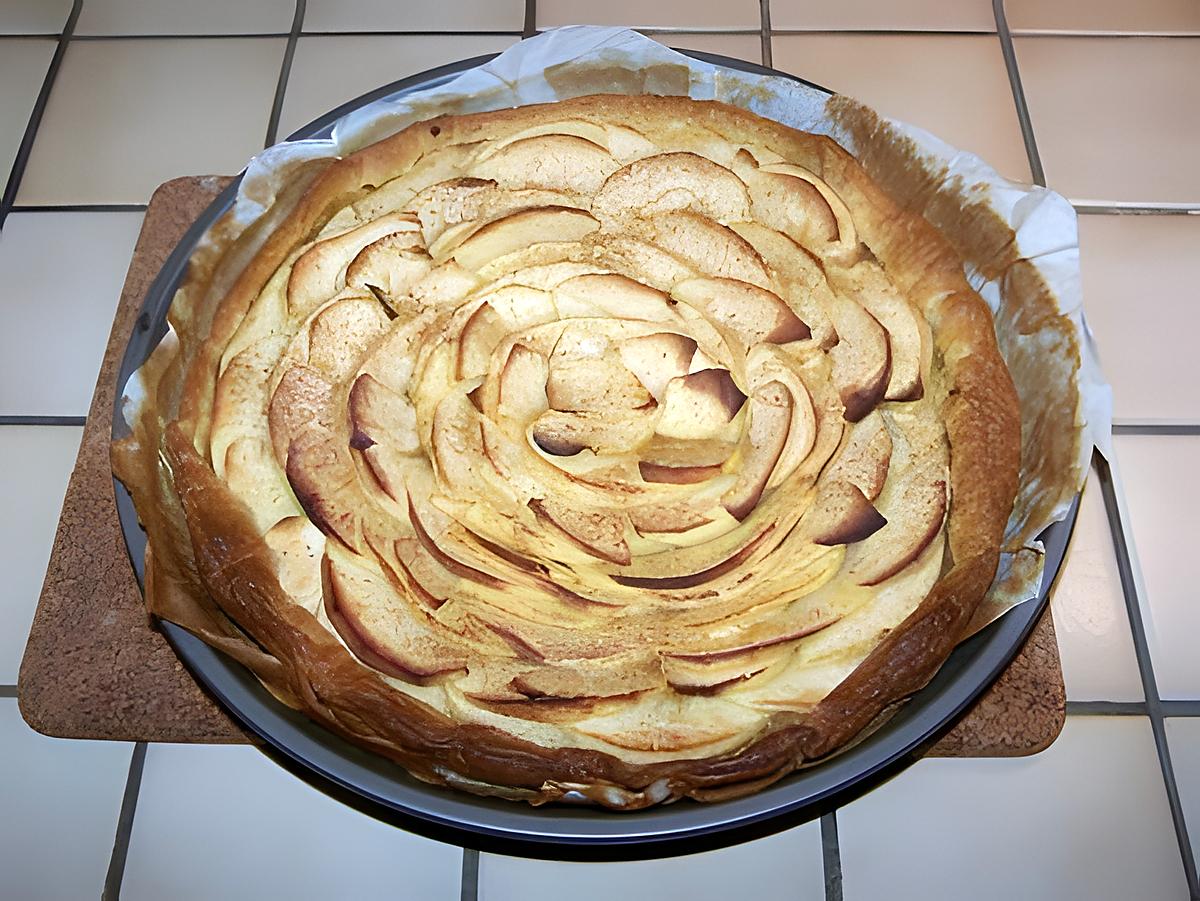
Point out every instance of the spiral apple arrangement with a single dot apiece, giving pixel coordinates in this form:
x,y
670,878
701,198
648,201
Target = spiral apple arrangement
x,y
606,438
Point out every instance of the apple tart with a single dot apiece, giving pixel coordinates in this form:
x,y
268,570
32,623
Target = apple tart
x,y
613,450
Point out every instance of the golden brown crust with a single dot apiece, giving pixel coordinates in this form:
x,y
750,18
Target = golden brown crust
x,y
225,558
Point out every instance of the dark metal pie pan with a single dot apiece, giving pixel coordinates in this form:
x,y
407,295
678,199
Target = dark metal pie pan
x,y
385,791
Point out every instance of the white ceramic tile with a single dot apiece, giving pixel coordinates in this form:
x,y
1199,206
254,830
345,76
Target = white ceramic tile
x,y
639,14
1183,738
126,115
415,15
908,79
185,17
61,800
35,464
33,16
1090,618
269,835
784,867
1160,16
327,71
1151,264
1114,118
23,65
739,46
1162,494
903,15
1085,820
62,275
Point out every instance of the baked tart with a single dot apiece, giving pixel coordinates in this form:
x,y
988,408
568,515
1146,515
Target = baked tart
x,y
617,450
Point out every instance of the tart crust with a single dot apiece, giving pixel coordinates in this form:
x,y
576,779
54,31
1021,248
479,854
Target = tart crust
x,y
214,559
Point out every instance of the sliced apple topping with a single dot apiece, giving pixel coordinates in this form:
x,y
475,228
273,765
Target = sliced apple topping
x,y
594,437
752,313
556,162
861,360
915,509
315,275
673,181
770,419
699,405
596,532
656,359
548,224
380,415
381,628
841,514
523,384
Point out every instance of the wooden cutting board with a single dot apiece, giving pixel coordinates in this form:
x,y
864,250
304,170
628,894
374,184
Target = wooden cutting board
x,y
96,668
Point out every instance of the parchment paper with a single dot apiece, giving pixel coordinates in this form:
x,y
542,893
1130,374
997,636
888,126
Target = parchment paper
x,y
1019,242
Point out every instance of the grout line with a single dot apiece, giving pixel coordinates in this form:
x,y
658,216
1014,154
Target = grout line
x,y
1094,207
1018,92
34,36
469,881
79,208
1073,33
1156,428
1187,708
1106,708
1154,706
120,851
883,32
399,34
285,71
8,198
42,420
238,36
764,7
831,857
529,26
8,691
1180,708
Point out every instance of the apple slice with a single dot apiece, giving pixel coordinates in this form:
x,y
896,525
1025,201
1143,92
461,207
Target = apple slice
x,y
616,295
915,512
786,200
712,671
699,405
753,314
864,457
380,627
656,359
523,385
314,275
762,444
841,515
691,580
600,385
861,360
673,181
600,533
546,224
676,475
706,246
563,434
380,415
553,161
483,331
449,203
909,335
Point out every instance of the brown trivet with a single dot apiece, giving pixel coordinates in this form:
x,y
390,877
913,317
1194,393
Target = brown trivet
x,y
95,666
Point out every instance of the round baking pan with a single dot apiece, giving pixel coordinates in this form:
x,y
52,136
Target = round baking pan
x,y
382,789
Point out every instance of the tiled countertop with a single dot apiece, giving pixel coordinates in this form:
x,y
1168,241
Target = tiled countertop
x,y
101,101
